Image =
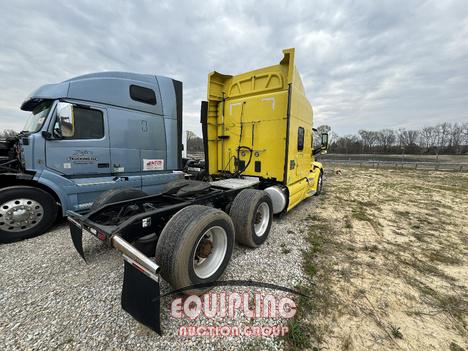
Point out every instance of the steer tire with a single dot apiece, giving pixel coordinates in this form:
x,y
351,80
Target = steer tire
x,y
116,195
247,207
182,236
24,194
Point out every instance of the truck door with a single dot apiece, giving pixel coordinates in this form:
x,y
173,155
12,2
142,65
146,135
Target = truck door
x,y
79,151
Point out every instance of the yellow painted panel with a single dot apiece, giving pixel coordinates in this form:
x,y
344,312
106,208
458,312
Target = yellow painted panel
x,y
254,119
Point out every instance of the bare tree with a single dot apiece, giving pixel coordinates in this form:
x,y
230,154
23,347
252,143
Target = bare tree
x,y
324,128
456,136
194,142
465,133
349,144
369,139
191,135
386,138
428,137
444,135
407,137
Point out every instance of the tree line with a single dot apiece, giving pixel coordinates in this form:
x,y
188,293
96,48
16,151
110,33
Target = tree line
x,y
443,138
194,143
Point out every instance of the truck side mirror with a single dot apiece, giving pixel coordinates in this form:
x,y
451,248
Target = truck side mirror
x,y
57,133
65,121
323,144
324,141
46,135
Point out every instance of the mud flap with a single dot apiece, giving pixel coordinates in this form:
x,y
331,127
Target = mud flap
x,y
77,238
140,297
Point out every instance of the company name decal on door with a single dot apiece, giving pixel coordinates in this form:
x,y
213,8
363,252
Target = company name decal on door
x,y
153,165
82,156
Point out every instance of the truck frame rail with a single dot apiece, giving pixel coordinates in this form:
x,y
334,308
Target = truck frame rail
x,y
120,224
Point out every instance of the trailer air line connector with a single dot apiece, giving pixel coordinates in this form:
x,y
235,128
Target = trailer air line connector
x,y
240,147
239,171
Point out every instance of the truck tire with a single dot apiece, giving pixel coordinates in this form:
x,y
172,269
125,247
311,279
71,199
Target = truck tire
x,y
252,214
146,244
319,184
25,212
195,247
116,195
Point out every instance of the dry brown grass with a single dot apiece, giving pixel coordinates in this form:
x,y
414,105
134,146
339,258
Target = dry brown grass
x,y
387,262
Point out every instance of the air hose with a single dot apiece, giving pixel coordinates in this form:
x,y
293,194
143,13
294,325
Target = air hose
x,y
239,171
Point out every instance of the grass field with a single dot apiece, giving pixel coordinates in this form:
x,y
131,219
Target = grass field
x,y
387,263
398,158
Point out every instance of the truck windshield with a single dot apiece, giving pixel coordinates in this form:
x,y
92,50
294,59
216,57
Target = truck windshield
x,y
37,117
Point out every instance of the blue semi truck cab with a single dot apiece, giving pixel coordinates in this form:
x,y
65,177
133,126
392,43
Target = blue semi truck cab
x,y
85,136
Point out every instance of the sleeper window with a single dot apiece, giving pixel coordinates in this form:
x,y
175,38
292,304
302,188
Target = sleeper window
x,y
142,94
300,139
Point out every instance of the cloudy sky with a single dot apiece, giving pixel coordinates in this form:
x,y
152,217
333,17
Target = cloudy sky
x,y
365,64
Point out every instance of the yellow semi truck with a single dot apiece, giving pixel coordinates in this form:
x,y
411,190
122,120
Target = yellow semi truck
x,y
260,124
258,139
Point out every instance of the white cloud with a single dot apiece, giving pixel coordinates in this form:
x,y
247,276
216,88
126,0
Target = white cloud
x,y
364,64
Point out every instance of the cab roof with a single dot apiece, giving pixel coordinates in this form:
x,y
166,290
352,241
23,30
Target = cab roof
x,y
110,88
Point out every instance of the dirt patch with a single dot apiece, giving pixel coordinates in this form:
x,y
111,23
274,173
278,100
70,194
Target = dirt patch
x,y
387,262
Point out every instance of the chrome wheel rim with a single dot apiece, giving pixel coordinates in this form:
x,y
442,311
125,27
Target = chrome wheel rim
x,y
20,214
210,252
319,187
262,218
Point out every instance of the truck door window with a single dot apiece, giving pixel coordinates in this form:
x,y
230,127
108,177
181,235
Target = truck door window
x,y
80,123
300,139
142,94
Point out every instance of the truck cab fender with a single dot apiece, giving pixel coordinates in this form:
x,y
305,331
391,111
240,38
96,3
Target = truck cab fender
x,y
34,180
316,165
55,190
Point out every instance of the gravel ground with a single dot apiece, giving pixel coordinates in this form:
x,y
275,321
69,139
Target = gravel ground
x,y
50,298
